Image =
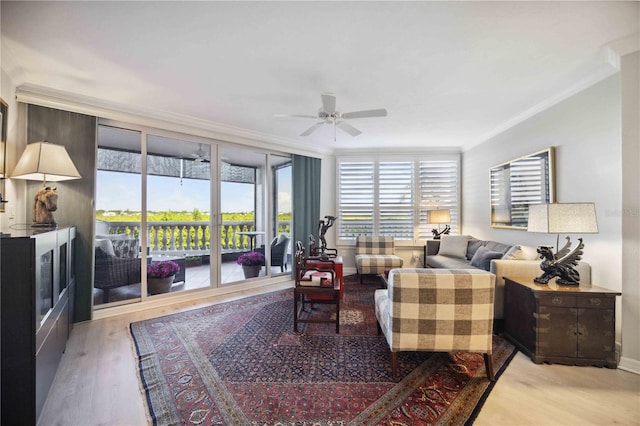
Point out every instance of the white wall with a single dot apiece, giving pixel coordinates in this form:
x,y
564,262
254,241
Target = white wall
x,y
630,212
15,211
586,131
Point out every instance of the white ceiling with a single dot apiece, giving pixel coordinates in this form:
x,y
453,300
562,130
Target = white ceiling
x,y
450,74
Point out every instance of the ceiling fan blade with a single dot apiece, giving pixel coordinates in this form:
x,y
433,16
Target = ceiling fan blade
x,y
363,114
312,129
348,128
328,103
315,117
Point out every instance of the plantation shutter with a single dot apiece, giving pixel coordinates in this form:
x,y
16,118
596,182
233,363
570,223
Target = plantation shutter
x,y
391,196
395,199
356,199
438,184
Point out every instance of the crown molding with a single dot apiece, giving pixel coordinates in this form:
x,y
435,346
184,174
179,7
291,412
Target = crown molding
x,y
53,98
626,45
609,65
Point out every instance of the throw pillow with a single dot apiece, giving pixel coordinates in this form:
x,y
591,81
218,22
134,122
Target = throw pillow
x,y
482,258
126,248
473,246
105,245
521,253
453,246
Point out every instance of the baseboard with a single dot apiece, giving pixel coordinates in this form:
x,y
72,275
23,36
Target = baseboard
x,y
630,365
223,293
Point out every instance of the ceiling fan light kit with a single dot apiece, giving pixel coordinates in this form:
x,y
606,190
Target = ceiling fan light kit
x,y
328,115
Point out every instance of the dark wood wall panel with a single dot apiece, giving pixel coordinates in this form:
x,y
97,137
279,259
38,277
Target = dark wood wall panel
x,y
77,132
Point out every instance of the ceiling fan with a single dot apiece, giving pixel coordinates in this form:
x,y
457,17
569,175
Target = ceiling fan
x,y
201,155
328,115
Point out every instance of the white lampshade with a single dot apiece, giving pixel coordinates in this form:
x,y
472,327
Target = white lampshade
x,y
565,218
439,216
46,162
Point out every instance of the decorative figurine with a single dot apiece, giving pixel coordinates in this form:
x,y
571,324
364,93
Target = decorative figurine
x,y
312,245
322,230
436,234
561,265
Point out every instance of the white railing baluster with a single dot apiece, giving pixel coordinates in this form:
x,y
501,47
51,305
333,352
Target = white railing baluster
x,y
190,237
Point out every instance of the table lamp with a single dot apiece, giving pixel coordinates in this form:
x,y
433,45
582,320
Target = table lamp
x,y
439,217
566,218
47,162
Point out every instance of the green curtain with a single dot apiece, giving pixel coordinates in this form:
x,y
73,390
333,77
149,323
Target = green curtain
x,y
306,198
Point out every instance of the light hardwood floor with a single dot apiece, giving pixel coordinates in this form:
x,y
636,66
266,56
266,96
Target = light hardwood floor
x,y
97,384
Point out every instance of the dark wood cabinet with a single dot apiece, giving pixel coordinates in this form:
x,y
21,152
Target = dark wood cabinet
x,y
561,324
36,294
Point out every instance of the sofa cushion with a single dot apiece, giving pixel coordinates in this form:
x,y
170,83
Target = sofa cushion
x,y
472,246
377,263
454,246
439,261
495,246
521,253
482,258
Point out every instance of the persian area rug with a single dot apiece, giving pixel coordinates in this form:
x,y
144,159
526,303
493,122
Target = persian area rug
x,y
240,363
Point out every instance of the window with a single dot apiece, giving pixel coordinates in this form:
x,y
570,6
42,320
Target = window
x,y
392,196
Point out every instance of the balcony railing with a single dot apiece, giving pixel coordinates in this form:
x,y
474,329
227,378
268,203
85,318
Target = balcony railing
x,y
188,238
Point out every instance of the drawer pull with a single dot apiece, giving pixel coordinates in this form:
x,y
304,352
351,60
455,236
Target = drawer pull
x,y
595,301
557,300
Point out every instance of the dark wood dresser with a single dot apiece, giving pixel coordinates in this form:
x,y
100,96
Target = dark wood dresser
x,y
561,324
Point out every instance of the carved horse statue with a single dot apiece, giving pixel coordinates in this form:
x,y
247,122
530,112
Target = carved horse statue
x,y
45,202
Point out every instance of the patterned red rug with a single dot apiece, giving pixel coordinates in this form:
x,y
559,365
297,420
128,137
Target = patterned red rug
x,y
240,363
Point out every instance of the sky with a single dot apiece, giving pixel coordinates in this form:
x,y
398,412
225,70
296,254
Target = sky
x,y
122,191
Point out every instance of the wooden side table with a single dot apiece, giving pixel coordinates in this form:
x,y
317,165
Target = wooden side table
x,y
561,324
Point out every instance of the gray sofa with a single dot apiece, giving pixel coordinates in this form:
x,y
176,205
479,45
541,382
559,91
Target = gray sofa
x,y
503,260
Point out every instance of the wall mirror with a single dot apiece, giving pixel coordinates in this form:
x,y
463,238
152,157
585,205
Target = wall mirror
x,y
518,183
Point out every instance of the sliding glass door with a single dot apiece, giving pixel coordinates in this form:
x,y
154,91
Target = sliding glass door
x,y
281,245
118,254
243,211
203,213
178,206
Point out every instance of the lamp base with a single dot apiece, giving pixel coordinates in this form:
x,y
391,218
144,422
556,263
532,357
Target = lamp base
x,y
436,233
561,264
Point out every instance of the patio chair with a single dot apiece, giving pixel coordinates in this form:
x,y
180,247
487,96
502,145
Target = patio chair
x,y
279,246
117,264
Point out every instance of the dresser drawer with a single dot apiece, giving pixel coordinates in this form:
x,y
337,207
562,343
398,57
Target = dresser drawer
x,y
600,302
559,300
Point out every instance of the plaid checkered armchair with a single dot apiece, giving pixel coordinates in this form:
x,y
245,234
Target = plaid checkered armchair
x,y
437,310
375,254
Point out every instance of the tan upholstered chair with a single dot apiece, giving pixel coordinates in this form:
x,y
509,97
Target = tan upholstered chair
x,y
375,254
437,310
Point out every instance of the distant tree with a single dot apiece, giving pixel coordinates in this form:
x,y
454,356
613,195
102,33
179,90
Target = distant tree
x,y
197,215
